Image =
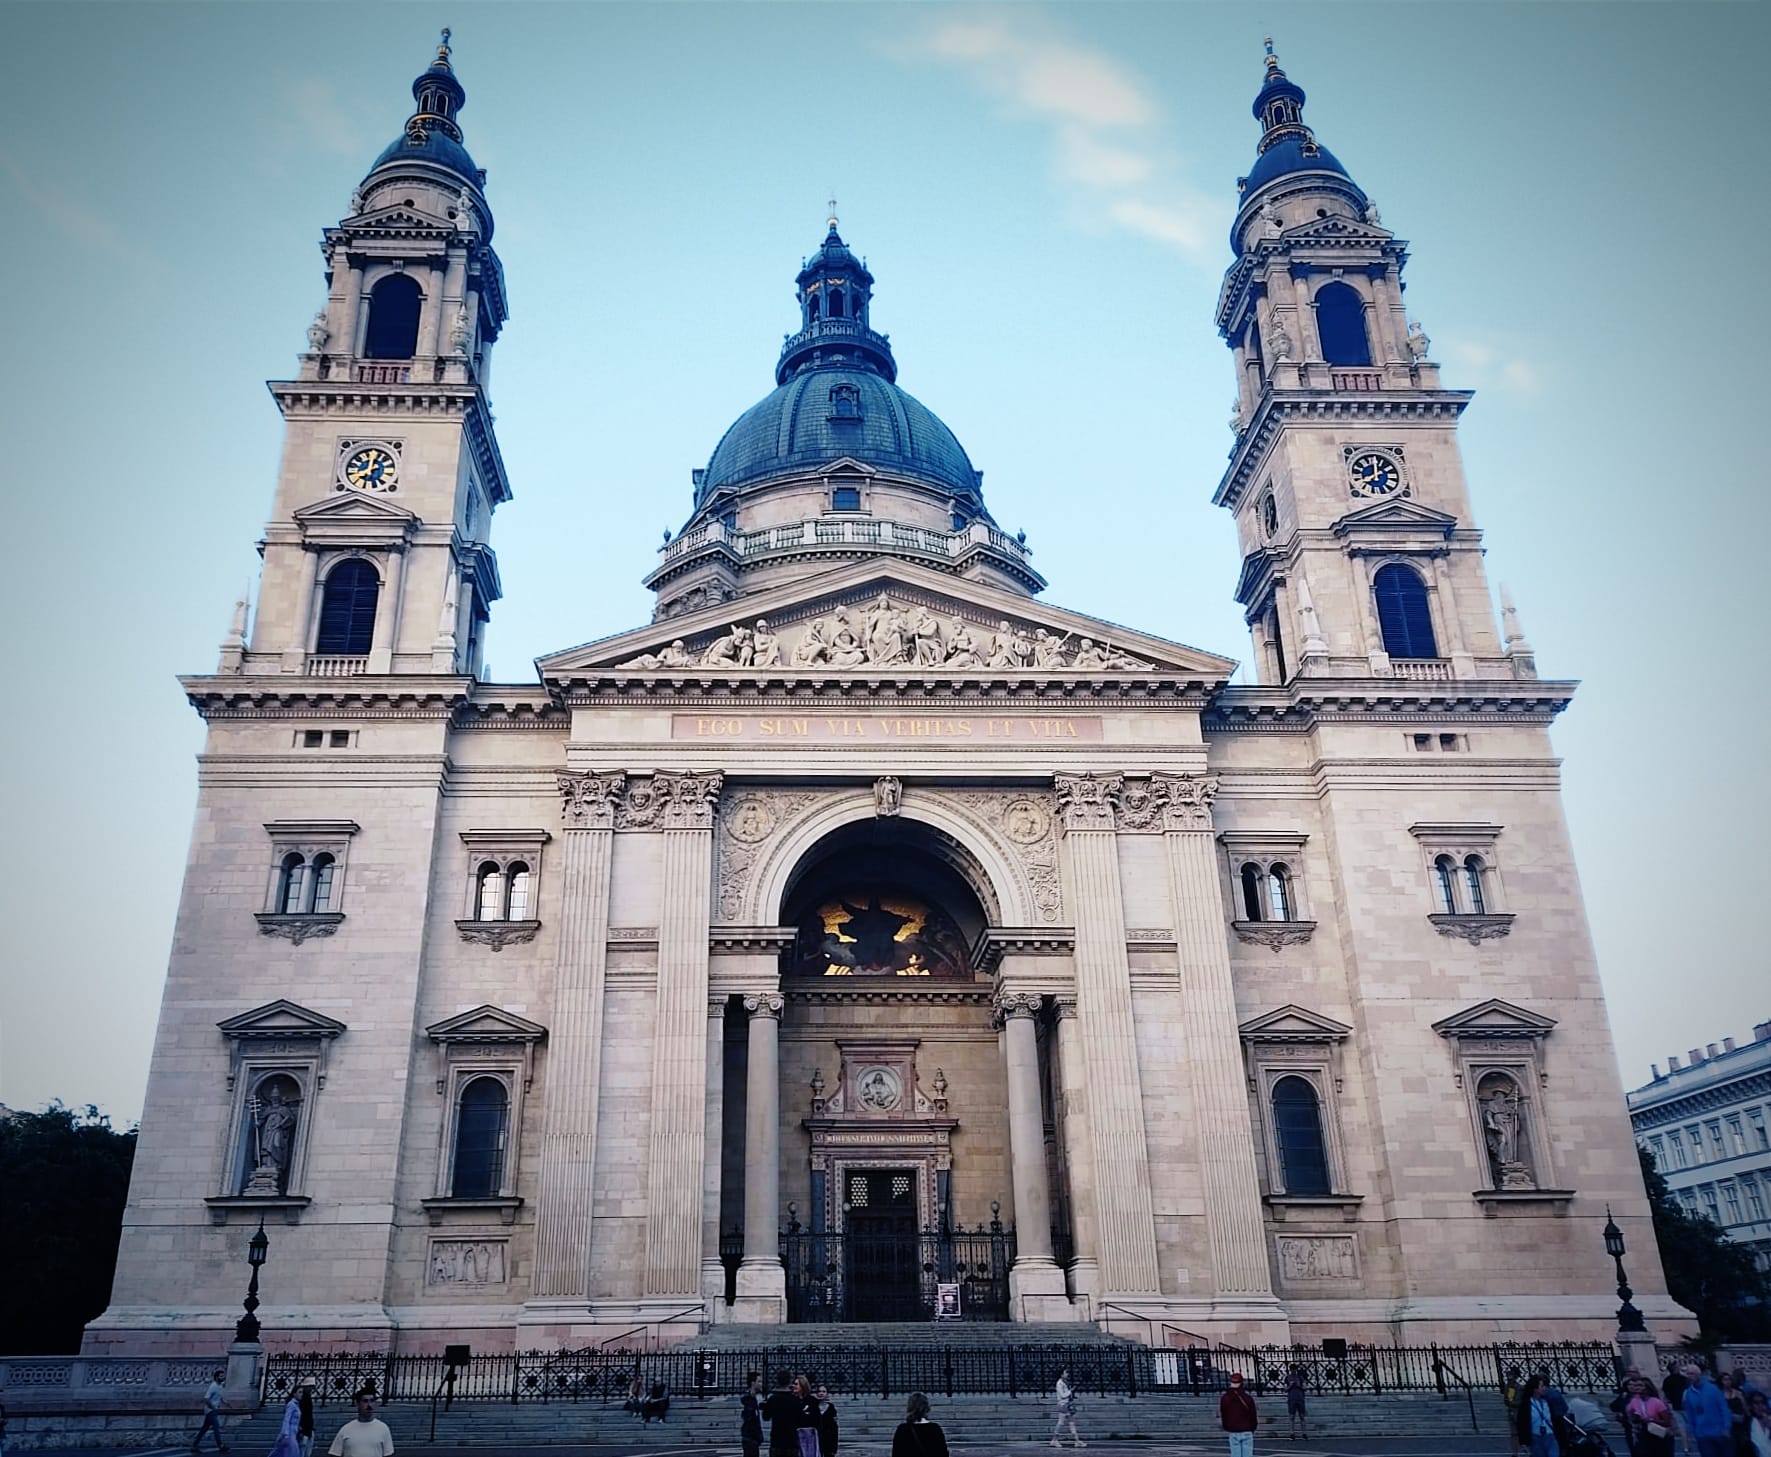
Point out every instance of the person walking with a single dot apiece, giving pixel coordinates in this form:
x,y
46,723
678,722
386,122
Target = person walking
x,y
211,1415
1297,1403
1738,1417
827,1428
1673,1391
288,1443
1066,1399
365,1434
1237,1416
1647,1419
1535,1421
781,1410
750,1423
1706,1412
1515,1383
304,1431
916,1435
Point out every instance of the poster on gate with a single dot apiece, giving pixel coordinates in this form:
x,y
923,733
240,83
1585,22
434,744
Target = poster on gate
x,y
947,1301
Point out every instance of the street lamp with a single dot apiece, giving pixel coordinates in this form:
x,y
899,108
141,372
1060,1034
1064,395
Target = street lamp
x,y
257,1248
1628,1317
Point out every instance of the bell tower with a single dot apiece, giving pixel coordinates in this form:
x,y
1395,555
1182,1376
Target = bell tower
x,y
1360,556
377,557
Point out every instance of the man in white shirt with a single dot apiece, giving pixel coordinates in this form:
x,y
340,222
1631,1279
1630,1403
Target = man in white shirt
x,y
211,1415
366,1436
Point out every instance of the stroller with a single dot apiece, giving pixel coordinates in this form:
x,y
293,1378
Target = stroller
x,y
1581,1431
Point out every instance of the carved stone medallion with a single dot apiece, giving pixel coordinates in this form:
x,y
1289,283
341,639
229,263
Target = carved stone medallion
x,y
750,820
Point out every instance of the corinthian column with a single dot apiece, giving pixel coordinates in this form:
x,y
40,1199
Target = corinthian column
x,y
1036,1284
713,1273
574,1059
1126,1228
1226,1134
685,804
1078,1155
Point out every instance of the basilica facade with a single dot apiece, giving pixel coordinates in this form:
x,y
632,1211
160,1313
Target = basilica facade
x,y
865,932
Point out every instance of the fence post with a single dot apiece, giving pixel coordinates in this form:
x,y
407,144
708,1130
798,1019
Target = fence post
x,y
1013,1374
1438,1369
885,1375
947,1369
1377,1386
1131,1373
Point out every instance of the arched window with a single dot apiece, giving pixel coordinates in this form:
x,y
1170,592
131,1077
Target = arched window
x,y
489,893
320,879
1478,902
394,306
1340,323
836,303
520,881
812,307
1252,909
1445,884
291,885
1279,892
480,1128
1297,1127
1402,612
347,609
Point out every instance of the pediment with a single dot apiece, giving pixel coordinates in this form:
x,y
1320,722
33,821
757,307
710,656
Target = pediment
x,y
1293,1023
1337,230
931,623
397,216
1402,515
485,1023
354,506
847,465
278,1020
1494,1019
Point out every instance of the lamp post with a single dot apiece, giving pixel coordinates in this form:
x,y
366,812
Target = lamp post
x,y
257,1248
1629,1319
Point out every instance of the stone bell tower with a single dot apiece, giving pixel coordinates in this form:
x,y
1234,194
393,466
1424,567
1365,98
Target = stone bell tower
x,y
1360,552
376,557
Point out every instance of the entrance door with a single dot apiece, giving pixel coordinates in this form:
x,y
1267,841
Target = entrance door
x,y
884,1277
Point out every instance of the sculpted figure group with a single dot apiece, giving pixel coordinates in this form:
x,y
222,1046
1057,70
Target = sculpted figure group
x,y
886,635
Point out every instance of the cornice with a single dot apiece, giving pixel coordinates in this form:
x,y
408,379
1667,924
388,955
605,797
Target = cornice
x,y
1279,408
897,994
909,692
297,695
1300,705
1717,1098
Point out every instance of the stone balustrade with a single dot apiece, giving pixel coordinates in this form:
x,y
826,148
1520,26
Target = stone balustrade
x,y
820,532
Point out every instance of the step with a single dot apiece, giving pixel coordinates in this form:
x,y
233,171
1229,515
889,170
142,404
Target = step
x,y
993,1334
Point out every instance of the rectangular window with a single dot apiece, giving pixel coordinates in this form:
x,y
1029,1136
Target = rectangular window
x,y
1755,1201
1736,1135
1714,1129
1755,1117
1424,742
341,738
1711,1206
312,738
1695,1134
1731,1197
1657,1147
845,498
1449,743
1677,1145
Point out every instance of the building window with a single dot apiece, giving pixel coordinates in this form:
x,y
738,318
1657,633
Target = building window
x,y
1731,1198
845,402
347,609
305,884
489,901
845,498
1340,324
482,1125
1736,1135
305,896
1714,1129
1265,890
1676,1146
1755,1118
1710,1206
1463,879
1474,898
1253,907
1755,1201
503,884
1445,884
1297,1128
1403,614
1695,1134
1657,1147
395,304
1269,516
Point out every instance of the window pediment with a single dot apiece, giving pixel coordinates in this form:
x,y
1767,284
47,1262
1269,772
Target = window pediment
x,y
486,1023
1395,526
279,1026
1294,1024
1494,1020
352,518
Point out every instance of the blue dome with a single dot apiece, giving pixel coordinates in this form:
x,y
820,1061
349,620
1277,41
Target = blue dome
x,y
438,147
1287,155
797,428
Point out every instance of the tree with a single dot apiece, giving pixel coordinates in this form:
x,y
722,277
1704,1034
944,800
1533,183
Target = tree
x,y
65,1176
1706,1272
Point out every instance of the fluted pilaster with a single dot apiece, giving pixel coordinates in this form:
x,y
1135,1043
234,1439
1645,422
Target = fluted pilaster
x,y
712,1272
574,1060
1230,1185
1126,1228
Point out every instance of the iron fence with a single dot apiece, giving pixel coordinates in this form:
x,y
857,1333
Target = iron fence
x,y
896,1277
604,1376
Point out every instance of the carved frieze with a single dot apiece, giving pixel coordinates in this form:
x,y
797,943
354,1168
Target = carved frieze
x,y
1087,801
497,934
1318,1257
299,928
588,800
1474,929
668,801
1187,799
1026,823
467,1262
1273,934
748,820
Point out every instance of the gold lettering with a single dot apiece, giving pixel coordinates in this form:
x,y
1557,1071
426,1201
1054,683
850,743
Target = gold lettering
x,y
765,727
801,727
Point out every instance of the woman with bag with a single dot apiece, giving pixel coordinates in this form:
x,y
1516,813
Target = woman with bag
x,y
807,1426
1066,1398
917,1436
1647,1420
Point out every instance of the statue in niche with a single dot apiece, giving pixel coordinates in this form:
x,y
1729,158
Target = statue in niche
x,y
275,1113
1503,1130
888,795
1418,343
464,210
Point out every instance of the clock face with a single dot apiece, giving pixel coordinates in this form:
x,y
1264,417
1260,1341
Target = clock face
x,y
1372,474
371,469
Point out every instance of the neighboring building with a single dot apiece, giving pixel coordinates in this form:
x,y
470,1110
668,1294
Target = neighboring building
x,y
1708,1124
864,920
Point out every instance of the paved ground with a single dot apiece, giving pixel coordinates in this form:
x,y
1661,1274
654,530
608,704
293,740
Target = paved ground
x,y
1486,1445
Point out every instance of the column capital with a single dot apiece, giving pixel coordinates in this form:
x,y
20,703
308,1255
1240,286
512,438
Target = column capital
x,y
763,1005
1187,800
588,800
716,1005
1066,1007
1088,801
1005,1006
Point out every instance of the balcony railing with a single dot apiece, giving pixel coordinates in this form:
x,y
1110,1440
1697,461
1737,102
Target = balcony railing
x,y
384,373
1355,379
1422,670
826,531
333,665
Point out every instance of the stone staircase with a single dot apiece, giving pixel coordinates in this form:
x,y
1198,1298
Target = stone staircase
x,y
927,1335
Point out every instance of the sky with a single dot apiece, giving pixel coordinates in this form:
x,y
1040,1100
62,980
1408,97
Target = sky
x,y
1043,193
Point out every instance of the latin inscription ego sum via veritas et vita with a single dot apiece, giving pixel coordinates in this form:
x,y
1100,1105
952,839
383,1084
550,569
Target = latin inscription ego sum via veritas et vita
x,y
827,728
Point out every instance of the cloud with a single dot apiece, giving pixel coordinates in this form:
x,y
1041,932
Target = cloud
x,y
1495,366
74,218
1102,121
